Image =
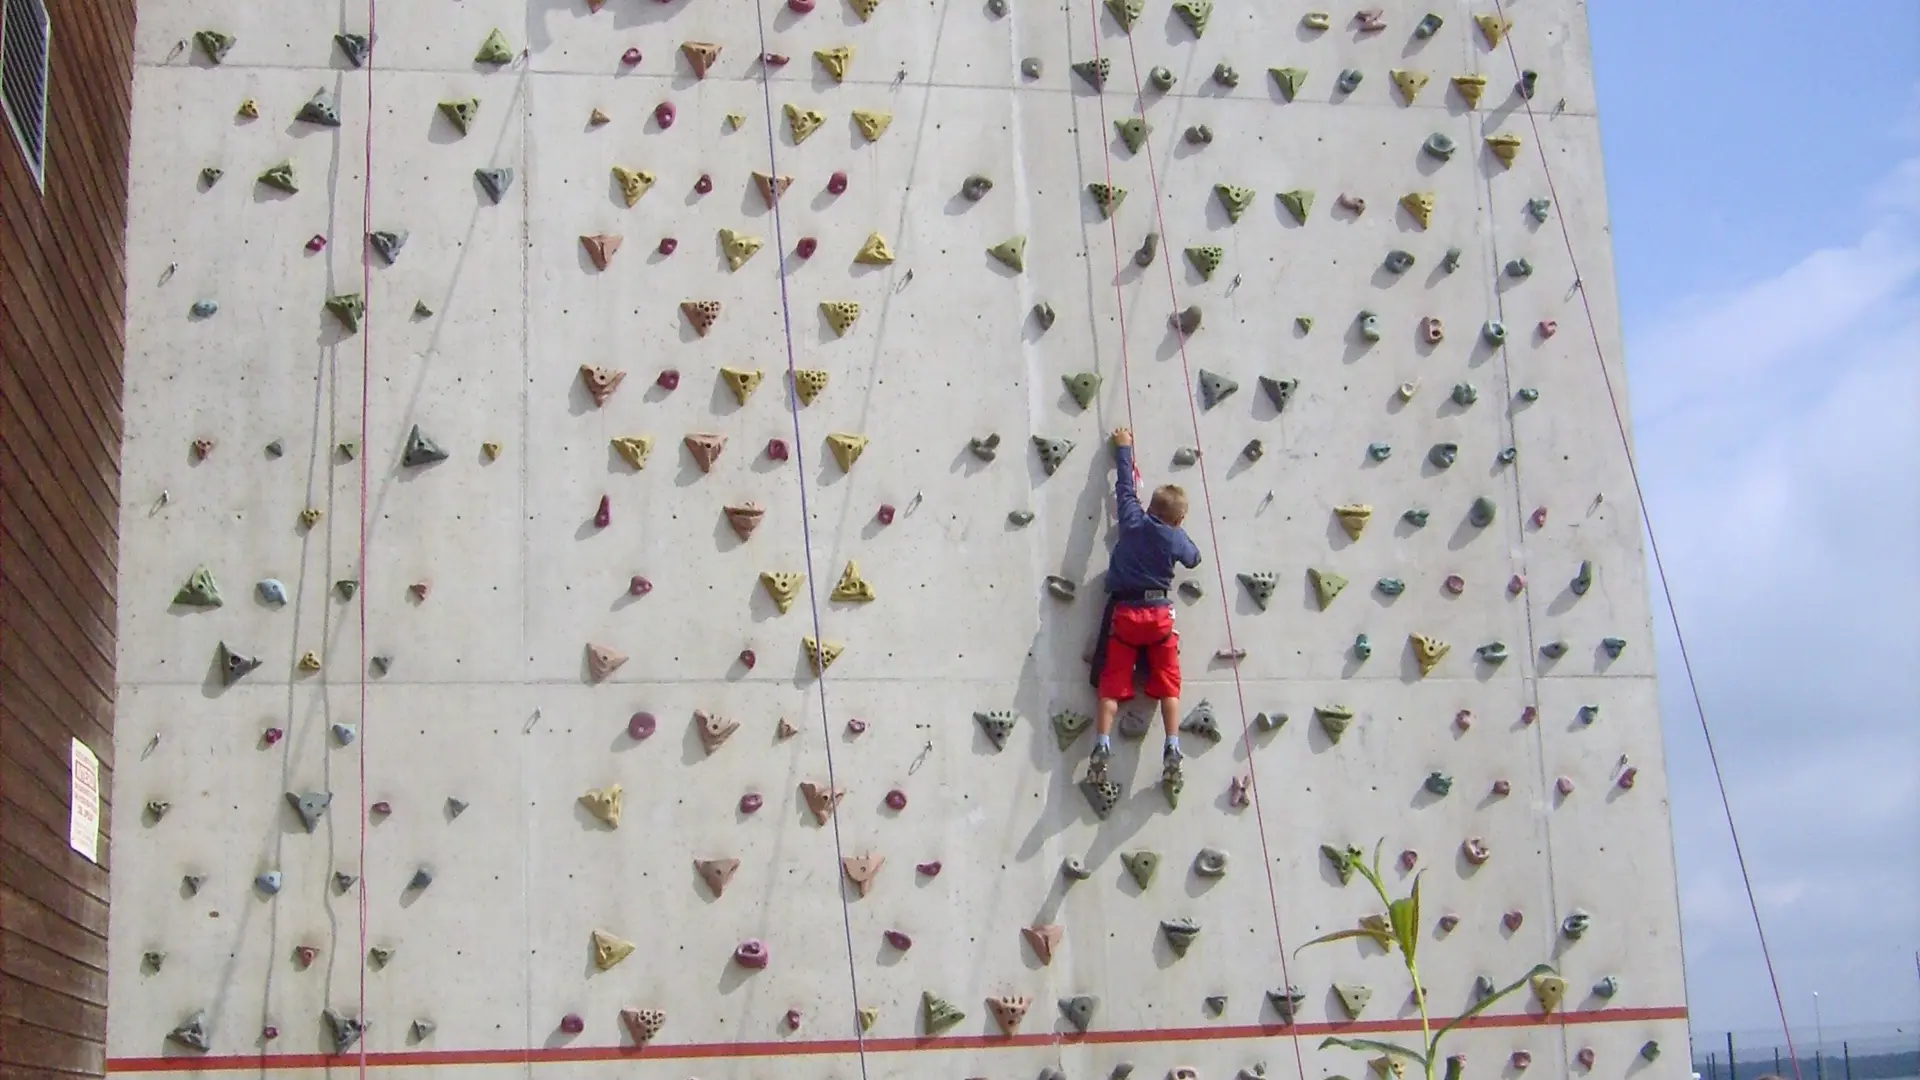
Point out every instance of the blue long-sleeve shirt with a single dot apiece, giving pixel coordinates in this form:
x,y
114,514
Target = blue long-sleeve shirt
x,y
1144,555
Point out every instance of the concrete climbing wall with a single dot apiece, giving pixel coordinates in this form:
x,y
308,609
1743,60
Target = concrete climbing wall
x,y
444,661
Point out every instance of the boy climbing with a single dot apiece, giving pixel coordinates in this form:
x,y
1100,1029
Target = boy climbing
x,y
1137,629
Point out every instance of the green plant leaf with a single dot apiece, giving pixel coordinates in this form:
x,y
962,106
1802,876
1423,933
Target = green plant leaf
x,y
1370,1045
1404,914
1376,936
1487,1002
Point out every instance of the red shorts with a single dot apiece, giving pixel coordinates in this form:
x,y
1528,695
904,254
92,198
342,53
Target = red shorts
x,y
1138,630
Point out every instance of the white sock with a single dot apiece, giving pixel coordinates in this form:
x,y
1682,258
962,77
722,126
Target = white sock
x,y
1105,742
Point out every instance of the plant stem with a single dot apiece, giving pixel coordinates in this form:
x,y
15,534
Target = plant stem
x,y
1426,1030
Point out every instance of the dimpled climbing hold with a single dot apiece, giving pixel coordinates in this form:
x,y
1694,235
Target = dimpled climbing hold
x,y
782,586
1083,387
1095,72
1053,452
1202,722
1494,332
841,315
200,590
1260,586
1409,82
633,182
232,665
1334,720
864,8
461,113
821,654
1398,261
1428,651
1069,725
603,661
1195,13
600,382
1206,259
604,803
1481,513
1011,251
1180,934
803,122
281,178
1549,990
998,724
937,1014
1505,146
1349,80
1419,204
643,1025
1326,585
320,109
1107,198
1215,388
1289,80
1079,1010
249,109
1493,28
852,587
1126,12
1298,203
1102,796
846,448
1233,199
1009,1011
1439,145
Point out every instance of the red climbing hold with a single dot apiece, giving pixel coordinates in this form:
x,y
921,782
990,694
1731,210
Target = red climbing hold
x,y
928,869
316,243
272,735
639,586
572,1024
806,247
1502,788
1456,584
837,183
1528,715
667,244
856,727
382,807
1521,1059
269,1032
1548,328
630,57
1463,719
748,659
1516,584
1512,919
704,184
886,514
800,7
1586,1057
663,114
752,953
793,1019
773,59
899,940
603,517
896,799
777,449
668,380
1540,518
751,802
640,726
1627,776
1408,858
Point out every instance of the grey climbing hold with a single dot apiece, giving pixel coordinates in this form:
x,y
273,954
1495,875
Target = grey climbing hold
x,y
1161,79
1020,518
200,590
1082,387
1451,260
1198,135
1043,314
494,182
1438,783
1480,514
1102,796
985,449
276,448
1398,261
1202,722
1519,268
1483,987
192,883
388,242
1494,332
1369,326
998,724
344,734
1349,80
1390,586
1554,650
1583,580
153,961
381,664
1353,998
1443,455
1528,394
1030,67
1149,248
1225,75
422,1028
1575,925
1278,391
1538,209
214,43
1273,721
1588,714
1079,1010
1254,450
1606,988
1215,388
1185,322
1528,82
421,450
1210,863
1286,1002
268,882
1362,647
320,109
1379,451
1141,866
1439,145
1075,868
1260,586
1186,456
1493,652
1428,26
1614,646
1191,590
421,878
203,309
233,665
1069,725
1465,394
455,807
1216,1003
1061,588
1095,72
1416,517
356,47
345,1030
343,881
1650,1050
346,587
311,806
1134,724
381,955
211,175
192,1034
1053,452
157,808
1180,934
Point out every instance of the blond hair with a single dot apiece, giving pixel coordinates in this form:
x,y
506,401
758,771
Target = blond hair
x,y
1169,504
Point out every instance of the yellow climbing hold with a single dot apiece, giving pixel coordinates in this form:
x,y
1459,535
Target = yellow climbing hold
x,y
1470,87
1409,82
875,251
1505,146
803,122
852,586
809,383
1326,585
739,247
250,109
633,182
604,803
741,381
783,587
1012,251
835,60
873,122
869,1016
864,8
1429,651
1353,518
1493,28
492,450
1420,205
846,448
841,315
735,120
1548,989
609,950
310,661
822,654
634,448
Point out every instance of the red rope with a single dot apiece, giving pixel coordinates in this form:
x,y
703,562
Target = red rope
x,y
1113,227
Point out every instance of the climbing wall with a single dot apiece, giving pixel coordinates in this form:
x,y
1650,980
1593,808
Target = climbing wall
x,y
617,499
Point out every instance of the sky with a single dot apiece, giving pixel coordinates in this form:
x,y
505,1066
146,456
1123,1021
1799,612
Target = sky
x,y
1763,175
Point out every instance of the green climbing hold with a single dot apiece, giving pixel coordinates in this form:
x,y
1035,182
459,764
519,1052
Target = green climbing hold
x,y
1298,203
1349,80
1180,934
461,113
1053,452
1443,455
1343,860
1428,26
1069,725
1439,145
1289,79
1326,585
937,1014
1528,394
421,450
1020,519
1519,268
1480,514
1279,391
1493,652
1260,586
1439,783
1141,866
1494,332
1226,75
1465,394
211,175
1126,12
1234,199
199,591
1133,131
1417,517
1083,387
494,50
1216,388
1379,451
349,309
1539,209
1398,261
1107,198
1390,586
1095,72
1161,79
1370,326
1012,252
1206,259
319,109
1353,999
1195,14
281,177
1334,720
1303,323
998,724
214,43
1582,580
1202,722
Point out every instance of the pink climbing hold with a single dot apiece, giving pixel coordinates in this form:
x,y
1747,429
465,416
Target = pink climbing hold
x,y
639,586
1448,922
777,449
1528,715
668,380
896,799
1408,858
748,659
603,517
1502,788
630,57
751,802
886,514
1456,584
1516,584
899,940
773,59
752,953
1540,518
1586,1057
704,184
317,242
269,1032
382,807
572,1024
1521,1059
1564,785
664,113
1238,791
641,725
837,183
799,7
1463,719
1548,328
668,244
806,247
856,727
1512,919
272,735
928,869
793,1019
1627,777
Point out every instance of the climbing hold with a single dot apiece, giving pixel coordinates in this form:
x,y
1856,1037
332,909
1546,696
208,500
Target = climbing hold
x,y
1354,518
1107,198
1133,132
249,109
1102,795
600,248
1481,513
268,882
1210,863
1390,586
1202,721
821,654
494,182
1278,391
1180,934
643,1025
201,590
421,450
864,8
1215,388
311,807
1493,28
1409,82
319,109
1095,72
1428,651
1606,988
1493,652
232,665
633,182
211,175
494,50
1519,268
192,1033
836,61
1349,80
713,730
380,955
1260,586
1298,203
1464,394
1289,80
601,383
1439,783
1353,998
742,382
387,243
634,448
1455,584
1079,1010
841,315
1009,1011
937,1014
1234,200
1012,252
603,661
803,122
1494,332
846,448
1419,204
1186,456
705,448
852,587
215,44
1185,322
1061,588
1053,452
1439,145
1549,990
986,449
998,724
604,803
1539,209
1583,579
1195,13
1505,146
1334,720
875,252
1575,926
1068,726
1326,585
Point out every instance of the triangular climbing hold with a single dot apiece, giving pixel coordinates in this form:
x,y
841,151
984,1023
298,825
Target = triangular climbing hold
x,y
634,448
1084,387
1069,726
809,383
388,242
200,590
1353,998
421,450
860,869
310,807
601,382
735,120
782,586
1206,259
1409,82
643,1025
1298,203
281,177
1180,934
600,248
1043,939
821,654
869,1016
461,113
771,187
998,724
494,50
714,731
494,182
1215,388
1289,80
1470,87
873,123
1493,28
937,1014
604,803
742,382
1195,13
1334,720
841,315
603,661
214,43
609,950
1549,990
700,55
1107,197
1234,200
1095,72
852,587
319,109
1260,586
1429,651
349,309
716,873
1126,12
1079,1010
1505,146
1353,518
1133,132
633,182
846,448
738,247
1053,452
875,251
1278,391
1011,251
701,313
803,122
864,8
705,448
1202,722
193,1033
820,800
1326,585
1420,205
1141,866
745,518
1009,1011
836,60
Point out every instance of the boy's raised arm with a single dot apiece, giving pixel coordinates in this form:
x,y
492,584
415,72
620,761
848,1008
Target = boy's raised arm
x,y
1124,491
